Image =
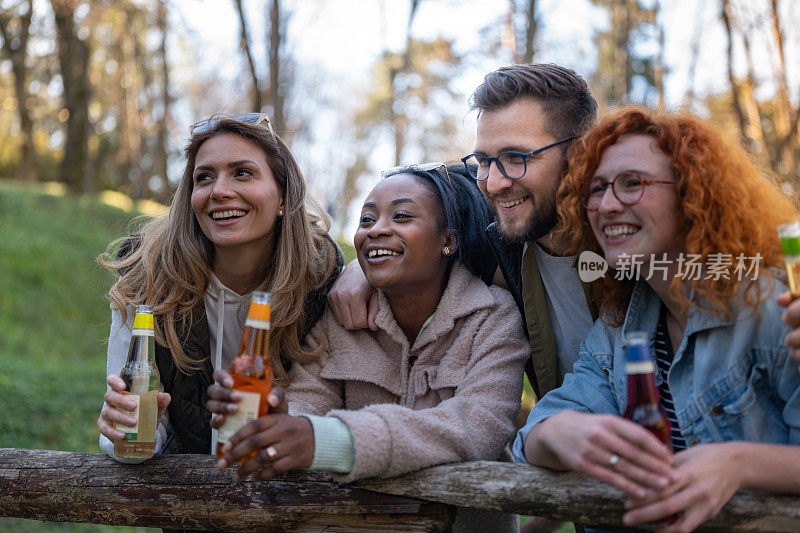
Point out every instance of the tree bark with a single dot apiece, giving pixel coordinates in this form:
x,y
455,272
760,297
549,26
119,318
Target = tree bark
x,y
73,57
14,30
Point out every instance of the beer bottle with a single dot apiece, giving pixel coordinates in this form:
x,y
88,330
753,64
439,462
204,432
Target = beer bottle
x,y
790,243
140,375
250,369
644,406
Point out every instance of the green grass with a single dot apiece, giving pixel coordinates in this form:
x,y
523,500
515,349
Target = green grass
x,y
54,318
54,321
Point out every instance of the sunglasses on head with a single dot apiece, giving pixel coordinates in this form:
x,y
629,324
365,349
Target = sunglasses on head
x,y
254,119
425,167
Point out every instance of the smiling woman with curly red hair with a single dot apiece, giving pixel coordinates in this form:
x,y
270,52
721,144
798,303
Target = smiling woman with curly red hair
x,y
726,205
654,193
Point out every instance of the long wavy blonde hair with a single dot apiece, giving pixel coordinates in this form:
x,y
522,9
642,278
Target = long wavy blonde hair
x,y
167,264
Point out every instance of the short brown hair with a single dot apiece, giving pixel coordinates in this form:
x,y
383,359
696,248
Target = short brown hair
x,y
565,97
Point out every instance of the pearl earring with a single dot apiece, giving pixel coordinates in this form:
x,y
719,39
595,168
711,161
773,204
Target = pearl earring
x,y
280,213
446,250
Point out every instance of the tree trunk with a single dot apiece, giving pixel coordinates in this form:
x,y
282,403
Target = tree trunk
x,y
133,122
162,151
659,68
530,32
277,91
783,116
245,44
736,97
400,120
754,116
73,57
694,53
15,47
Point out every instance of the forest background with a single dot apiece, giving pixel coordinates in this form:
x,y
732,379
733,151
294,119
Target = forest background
x,y
97,96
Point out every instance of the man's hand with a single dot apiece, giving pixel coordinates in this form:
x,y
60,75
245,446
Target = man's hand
x,y
353,300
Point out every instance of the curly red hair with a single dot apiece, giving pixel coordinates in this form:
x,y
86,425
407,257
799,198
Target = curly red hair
x,y
726,205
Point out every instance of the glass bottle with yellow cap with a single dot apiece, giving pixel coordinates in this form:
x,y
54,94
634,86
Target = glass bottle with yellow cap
x,y
140,375
250,369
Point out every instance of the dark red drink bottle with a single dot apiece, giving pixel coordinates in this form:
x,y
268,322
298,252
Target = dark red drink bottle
x,y
644,406
643,399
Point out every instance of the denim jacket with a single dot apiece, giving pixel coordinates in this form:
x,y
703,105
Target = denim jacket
x,y
730,379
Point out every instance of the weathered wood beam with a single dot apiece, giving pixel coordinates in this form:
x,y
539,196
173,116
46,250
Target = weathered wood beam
x,y
188,492
570,497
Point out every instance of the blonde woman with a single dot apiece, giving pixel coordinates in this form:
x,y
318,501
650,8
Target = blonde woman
x,y
239,222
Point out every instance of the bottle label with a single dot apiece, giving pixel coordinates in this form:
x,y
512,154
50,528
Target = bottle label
x,y
131,432
143,332
790,246
143,321
248,411
255,323
642,367
259,311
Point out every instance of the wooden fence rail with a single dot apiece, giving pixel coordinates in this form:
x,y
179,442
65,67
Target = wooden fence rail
x,y
187,491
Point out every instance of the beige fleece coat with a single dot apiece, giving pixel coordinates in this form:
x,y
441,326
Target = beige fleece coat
x,y
450,396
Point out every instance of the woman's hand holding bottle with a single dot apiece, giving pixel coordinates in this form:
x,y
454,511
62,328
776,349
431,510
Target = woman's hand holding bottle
x,y
281,442
116,402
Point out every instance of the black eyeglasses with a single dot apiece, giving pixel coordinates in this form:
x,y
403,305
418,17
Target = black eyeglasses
x,y
512,165
425,167
255,119
627,187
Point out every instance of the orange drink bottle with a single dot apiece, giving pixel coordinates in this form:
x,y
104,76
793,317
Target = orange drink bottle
x,y
250,369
